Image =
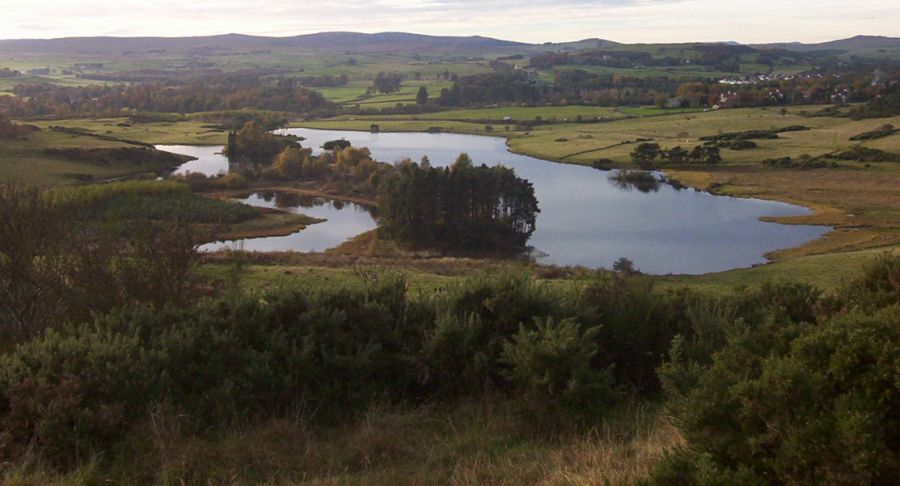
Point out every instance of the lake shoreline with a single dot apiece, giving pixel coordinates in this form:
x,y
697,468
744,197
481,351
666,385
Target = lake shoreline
x,y
729,219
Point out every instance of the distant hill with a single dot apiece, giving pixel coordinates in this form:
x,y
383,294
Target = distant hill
x,y
354,42
593,43
325,41
857,43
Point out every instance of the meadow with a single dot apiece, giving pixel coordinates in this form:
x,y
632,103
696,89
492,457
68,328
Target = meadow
x,y
25,160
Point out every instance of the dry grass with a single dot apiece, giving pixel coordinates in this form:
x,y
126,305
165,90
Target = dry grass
x,y
482,442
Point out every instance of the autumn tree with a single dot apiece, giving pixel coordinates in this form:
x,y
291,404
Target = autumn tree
x,y
255,143
289,162
386,83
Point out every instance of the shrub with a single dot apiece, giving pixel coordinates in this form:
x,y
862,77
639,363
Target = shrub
x,y
56,265
865,154
122,155
9,129
550,364
804,162
636,327
795,301
476,317
75,391
68,393
289,163
790,400
880,132
199,182
797,404
877,287
454,355
148,200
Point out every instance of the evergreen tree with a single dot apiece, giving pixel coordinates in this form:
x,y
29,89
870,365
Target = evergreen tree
x,y
463,207
422,96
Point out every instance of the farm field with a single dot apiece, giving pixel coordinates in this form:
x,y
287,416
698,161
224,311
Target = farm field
x,y
25,161
190,132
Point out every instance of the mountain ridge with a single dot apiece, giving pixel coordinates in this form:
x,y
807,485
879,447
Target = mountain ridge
x,y
346,41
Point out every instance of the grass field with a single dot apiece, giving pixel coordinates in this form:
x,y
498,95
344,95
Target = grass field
x,y
167,133
588,141
404,126
826,271
24,160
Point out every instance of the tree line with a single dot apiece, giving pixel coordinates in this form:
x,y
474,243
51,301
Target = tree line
x,y
197,95
577,86
647,153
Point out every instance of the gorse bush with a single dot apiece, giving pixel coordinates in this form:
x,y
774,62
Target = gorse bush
x,y
475,318
792,398
330,350
74,389
552,364
878,287
637,325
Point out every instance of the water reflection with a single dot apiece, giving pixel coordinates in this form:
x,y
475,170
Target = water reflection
x,y
643,181
344,221
209,159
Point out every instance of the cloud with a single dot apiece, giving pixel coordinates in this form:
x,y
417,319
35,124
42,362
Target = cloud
x,y
526,20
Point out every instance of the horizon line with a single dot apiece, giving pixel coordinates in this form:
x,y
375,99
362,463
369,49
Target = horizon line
x,y
422,35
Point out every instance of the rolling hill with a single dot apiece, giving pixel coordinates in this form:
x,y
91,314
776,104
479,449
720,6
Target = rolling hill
x,y
325,41
856,43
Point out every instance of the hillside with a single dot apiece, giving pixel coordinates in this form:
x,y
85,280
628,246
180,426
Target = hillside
x,y
856,43
324,41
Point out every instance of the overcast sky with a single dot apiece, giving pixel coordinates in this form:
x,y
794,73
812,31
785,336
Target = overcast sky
x,y
521,20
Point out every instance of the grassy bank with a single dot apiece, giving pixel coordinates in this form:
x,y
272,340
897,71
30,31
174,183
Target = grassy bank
x,y
827,272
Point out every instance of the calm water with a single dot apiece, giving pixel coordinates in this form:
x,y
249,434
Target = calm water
x,y
210,160
588,220
345,220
